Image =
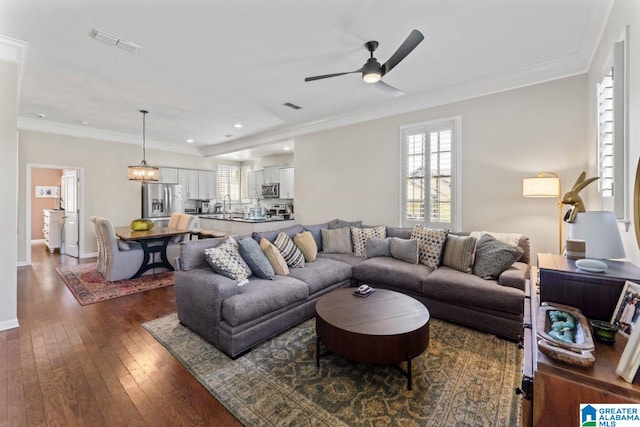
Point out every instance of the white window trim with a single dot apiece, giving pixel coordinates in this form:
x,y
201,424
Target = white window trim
x,y
456,187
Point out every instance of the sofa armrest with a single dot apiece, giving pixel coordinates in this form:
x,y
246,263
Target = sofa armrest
x,y
515,276
199,297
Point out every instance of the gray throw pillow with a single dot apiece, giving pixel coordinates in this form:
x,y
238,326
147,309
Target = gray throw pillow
x,y
404,250
337,241
255,258
377,247
315,231
494,256
338,223
459,252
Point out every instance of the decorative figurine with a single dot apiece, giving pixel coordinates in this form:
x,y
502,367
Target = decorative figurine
x,y
572,198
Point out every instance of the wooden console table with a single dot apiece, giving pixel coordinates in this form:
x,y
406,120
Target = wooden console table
x,y
554,390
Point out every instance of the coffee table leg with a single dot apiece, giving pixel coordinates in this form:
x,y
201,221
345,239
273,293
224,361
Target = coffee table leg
x,y
409,384
318,351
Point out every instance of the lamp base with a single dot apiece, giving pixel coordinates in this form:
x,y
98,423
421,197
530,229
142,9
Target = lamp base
x,y
591,265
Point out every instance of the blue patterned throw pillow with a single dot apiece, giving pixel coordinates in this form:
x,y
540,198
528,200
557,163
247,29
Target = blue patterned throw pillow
x,y
225,260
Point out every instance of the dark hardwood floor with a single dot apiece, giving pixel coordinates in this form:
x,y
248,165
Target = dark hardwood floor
x,y
94,365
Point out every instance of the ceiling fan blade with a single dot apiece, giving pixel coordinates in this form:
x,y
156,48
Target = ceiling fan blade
x,y
413,40
389,89
326,76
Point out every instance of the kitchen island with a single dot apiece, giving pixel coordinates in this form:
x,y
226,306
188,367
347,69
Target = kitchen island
x,y
235,226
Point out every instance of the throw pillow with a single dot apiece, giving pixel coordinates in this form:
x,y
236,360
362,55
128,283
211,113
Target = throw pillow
x,y
359,237
404,250
377,247
338,223
225,260
289,251
317,234
336,241
275,257
494,256
430,244
255,258
307,245
459,252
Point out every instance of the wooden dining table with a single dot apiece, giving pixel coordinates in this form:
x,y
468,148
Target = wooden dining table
x,y
152,241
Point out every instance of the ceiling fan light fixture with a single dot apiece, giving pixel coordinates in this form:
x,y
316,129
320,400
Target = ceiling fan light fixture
x,y
373,77
143,172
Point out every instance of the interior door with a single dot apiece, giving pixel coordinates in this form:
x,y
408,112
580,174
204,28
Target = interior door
x,y
71,226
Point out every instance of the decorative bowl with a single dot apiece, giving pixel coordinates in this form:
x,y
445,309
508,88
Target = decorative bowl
x,y
604,331
141,224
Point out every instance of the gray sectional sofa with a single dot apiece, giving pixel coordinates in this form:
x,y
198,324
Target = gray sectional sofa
x,y
236,318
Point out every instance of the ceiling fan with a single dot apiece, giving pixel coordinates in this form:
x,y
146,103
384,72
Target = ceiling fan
x,y
372,71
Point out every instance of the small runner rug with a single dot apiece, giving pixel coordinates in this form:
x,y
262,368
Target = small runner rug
x,y
464,378
89,286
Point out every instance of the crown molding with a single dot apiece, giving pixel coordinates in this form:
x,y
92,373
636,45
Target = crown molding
x,y
558,68
37,125
13,50
595,29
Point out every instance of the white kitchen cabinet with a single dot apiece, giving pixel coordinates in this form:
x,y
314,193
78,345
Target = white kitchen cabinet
x,y
169,175
53,224
271,175
206,185
189,180
286,183
254,182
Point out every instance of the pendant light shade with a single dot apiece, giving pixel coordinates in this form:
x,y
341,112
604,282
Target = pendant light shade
x,y
143,172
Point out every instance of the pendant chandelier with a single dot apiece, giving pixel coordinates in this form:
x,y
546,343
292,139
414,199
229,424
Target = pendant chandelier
x,y
143,172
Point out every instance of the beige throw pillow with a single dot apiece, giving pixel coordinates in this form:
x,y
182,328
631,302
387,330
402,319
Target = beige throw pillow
x,y
459,252
275,257
307,245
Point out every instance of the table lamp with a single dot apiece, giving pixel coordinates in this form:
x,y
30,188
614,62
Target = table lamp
x,y
546,184
599,230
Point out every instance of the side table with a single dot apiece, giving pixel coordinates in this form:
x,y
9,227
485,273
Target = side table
x,y
595,294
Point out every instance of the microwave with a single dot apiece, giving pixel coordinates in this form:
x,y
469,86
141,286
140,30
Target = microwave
x,y
270,191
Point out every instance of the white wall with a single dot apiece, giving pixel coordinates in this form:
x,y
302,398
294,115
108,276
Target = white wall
x,y
353,172
624,12
9,180
107,192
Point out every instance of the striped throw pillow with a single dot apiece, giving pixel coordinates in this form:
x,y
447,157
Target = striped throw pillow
x,y
459,253
359,236
289,251
337,241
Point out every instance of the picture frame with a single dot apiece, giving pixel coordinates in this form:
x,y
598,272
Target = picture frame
x,y
630,360
627,311
47,192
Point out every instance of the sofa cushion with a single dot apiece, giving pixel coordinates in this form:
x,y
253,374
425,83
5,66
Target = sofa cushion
x,y
391,272
515,276
290,252
322,273
359,237
271,235
401,232
430,244
307,245
192,253
275,257
493,257
459,252
378,247
337,241
316,233
349,258
260,297
255,258
225,259
453,286
404,249
338,223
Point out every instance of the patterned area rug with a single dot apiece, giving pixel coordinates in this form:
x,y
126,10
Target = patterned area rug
x,y
89,286
464,378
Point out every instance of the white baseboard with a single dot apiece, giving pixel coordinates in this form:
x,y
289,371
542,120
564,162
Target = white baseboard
x,y
37,241
9,324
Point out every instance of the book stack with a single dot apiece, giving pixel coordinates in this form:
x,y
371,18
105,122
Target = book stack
x,y
364,291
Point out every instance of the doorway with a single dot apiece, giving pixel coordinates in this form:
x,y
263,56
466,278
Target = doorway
x,y
69,185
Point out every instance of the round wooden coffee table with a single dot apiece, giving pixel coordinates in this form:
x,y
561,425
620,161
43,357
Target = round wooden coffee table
x,y
384,328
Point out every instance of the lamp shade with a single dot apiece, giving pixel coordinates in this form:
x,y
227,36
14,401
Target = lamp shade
x,y
599,229
548,186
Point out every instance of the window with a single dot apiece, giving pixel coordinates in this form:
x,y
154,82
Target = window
x,y
429,174
228,182
612,131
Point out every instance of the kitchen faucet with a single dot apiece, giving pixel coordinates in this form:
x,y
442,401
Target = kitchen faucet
x,y
225,206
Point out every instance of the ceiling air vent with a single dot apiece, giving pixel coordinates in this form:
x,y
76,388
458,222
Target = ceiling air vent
x,y
290,105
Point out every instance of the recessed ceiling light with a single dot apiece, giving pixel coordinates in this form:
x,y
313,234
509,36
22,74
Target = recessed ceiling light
x,y
287,148
237,125
190,141
41,115
83,122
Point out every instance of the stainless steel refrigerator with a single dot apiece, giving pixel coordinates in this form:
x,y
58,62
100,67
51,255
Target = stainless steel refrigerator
x,y
161,200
